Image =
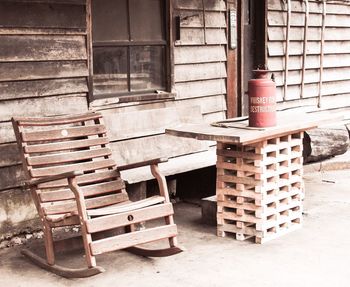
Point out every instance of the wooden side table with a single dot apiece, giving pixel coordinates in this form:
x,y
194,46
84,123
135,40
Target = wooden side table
x,y
259,188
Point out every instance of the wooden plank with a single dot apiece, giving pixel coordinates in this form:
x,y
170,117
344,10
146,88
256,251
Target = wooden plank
x,y
66,145
7,134
66,206
332,103
215,20
58,120
128,206
113,221
195,36
42,88
311,90
216,36
191,19
11,176
214,117
314,34
89,178
203,71
214,5
48,106
315,20
42,70
239,154
313,48
184,4
133,150
313,76
90,190
287,124
191,36
139,123
204,54
9,155
42,31
315,7
312,62
131,239
42,48
63,133
60,158
207,105
88,166
52,15
201,88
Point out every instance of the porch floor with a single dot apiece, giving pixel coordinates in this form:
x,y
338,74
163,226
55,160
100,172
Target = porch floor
x,y
316,255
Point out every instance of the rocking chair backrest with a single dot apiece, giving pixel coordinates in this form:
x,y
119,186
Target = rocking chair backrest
x,y
69,143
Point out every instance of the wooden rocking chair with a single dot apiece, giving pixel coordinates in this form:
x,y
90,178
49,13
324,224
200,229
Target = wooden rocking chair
x,y
74,181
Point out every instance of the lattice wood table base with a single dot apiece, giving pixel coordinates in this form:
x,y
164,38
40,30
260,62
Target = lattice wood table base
x,y
260,188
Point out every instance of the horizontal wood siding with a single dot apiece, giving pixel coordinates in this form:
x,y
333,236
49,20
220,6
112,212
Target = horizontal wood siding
x,y
199,75
336,79
43,69
200,54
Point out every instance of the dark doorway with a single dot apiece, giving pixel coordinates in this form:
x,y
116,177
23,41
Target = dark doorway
x,y
252,39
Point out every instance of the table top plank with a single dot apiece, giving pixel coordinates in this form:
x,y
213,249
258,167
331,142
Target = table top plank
x,y
240,133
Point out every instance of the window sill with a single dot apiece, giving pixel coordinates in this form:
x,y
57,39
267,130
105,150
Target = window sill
x,y
112,100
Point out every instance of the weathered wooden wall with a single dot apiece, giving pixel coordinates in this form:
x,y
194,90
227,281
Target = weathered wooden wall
x,y
199,82
43,72
200,56
336,84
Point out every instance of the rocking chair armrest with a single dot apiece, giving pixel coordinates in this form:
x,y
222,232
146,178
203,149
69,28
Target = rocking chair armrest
x,y
143,163
35,182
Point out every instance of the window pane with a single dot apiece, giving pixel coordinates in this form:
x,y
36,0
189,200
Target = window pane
x,y
110,70
147,68
146,20
109,20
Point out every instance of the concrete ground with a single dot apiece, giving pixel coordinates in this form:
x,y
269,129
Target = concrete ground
x,y
316,255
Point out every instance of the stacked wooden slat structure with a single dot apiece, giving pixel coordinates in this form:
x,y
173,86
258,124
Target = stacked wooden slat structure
x,y
260,188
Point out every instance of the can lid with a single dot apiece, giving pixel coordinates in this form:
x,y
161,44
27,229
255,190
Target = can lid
x,y
260,74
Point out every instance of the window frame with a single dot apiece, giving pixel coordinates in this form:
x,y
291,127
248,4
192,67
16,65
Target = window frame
x,y
134,96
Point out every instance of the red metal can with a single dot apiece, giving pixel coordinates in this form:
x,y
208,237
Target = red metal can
x,y
262,100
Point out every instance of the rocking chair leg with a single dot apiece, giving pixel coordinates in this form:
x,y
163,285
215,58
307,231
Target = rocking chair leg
x,y
87,239
172,240
49,248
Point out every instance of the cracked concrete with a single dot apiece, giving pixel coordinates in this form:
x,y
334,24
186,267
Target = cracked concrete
x,y
316,255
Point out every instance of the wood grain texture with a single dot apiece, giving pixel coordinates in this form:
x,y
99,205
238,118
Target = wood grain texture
x,y
128,240
112,221
42,88
49,106
41,48
48,15
42,70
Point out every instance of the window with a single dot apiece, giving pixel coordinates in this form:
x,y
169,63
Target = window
x,y
129,42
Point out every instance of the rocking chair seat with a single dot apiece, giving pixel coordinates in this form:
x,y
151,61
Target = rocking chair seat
x,y
126,206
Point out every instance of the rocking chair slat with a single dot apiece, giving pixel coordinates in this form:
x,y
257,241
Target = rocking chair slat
x,y
68,157
90,190
131,239
127,207
71,206
60,120
89,178
67,145
112,221
63,133
87,166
